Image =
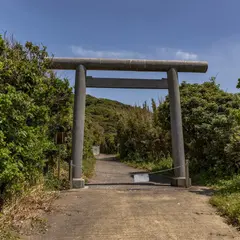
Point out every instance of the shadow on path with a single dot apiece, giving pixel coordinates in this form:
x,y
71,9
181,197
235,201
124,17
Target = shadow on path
x,y
202,191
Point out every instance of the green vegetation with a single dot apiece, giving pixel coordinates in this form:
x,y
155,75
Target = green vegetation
x,y
34,105
152,166
104,114
227,199
141,141
210,125
211,120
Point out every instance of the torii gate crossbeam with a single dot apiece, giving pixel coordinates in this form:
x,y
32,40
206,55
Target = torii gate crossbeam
x,y
80,65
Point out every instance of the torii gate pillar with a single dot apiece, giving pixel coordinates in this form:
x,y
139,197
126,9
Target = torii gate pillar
x,y
78,126
178,154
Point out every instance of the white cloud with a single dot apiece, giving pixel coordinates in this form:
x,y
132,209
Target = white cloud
x,y
150,53
82,52
186,55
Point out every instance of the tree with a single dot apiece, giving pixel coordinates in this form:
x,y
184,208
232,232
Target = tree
x,y
209,122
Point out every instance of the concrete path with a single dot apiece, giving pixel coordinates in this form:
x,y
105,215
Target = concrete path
x,y
111,173
115,212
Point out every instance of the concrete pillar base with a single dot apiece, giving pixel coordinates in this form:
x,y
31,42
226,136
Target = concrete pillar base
x,y
180,182
78,183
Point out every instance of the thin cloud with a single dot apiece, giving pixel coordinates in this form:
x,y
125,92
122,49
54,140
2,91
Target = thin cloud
x,y
186,55
82,52
152,53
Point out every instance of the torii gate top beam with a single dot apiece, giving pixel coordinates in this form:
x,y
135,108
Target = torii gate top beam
x,y
129,64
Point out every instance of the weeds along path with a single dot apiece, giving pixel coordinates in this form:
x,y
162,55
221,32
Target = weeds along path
x,y
125,211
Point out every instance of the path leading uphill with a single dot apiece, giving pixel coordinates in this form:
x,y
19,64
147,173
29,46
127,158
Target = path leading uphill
x,y
125,211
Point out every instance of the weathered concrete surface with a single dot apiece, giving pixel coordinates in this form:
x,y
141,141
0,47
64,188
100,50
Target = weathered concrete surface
x,y
134,212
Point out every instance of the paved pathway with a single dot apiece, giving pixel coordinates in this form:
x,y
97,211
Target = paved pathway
x,y
124,212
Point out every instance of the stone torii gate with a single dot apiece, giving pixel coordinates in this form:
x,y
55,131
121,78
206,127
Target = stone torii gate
x,y
81,65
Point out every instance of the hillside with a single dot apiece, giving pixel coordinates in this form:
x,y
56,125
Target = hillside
x,y
104,114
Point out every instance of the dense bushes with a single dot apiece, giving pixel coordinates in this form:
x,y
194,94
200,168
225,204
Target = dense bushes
x,y
139,138
210,125
104,114
211,129
34,105
24,122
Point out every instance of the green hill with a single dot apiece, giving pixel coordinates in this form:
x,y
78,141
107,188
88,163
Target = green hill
x,y
104,114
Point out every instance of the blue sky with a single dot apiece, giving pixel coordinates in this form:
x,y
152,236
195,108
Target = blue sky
x,y
155,29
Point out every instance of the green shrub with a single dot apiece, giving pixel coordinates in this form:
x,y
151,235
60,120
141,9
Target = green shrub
x,y
34,105
104,114
227,198
210,125
139,138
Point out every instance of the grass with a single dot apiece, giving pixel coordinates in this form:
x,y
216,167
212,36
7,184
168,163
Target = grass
x,y
88,168
51,181
24,214
227,199
151,166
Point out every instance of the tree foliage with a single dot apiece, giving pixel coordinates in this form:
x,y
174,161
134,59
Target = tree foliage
x,y
139,137
104,114
34,105
210,122
211,127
